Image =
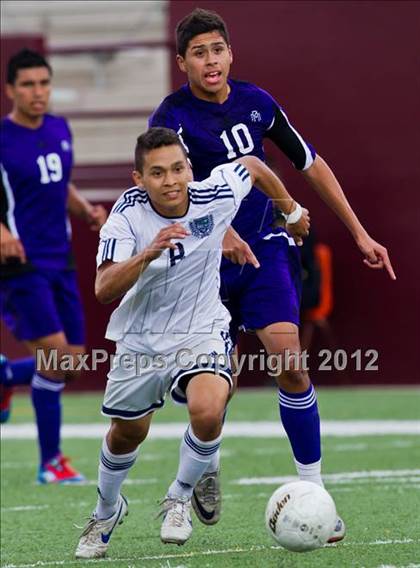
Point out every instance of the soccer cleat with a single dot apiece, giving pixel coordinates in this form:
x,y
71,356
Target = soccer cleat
x,y
176,525
59,470
94,540
206,498
339,531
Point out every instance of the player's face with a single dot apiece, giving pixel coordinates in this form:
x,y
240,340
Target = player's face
x,y
30,92
207,63
165,176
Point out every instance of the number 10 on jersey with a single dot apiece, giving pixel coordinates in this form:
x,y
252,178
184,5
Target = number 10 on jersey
x,y
240,135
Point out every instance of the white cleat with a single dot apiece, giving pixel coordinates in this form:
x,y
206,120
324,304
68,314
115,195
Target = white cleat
x,y
339,531
94,540
176,525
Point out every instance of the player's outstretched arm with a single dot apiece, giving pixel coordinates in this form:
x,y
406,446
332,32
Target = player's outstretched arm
x,y
94,215
265,179
321,177
114,279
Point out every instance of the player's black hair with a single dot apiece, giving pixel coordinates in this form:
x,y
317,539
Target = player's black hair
x,y
25,59
155,137
198,22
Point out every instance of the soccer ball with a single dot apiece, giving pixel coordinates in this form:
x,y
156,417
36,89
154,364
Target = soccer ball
x,y
301,516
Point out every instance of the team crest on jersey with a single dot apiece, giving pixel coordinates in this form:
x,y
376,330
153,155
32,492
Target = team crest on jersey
x,y
255,116
202,227
65,145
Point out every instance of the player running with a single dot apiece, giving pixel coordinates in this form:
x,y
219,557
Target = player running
x,y
221,119
39,292
160,249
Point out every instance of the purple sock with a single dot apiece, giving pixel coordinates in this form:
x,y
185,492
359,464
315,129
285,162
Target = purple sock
x,y
300,418
46,400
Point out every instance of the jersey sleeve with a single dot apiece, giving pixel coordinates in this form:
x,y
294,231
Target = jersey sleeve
x,y
117,241
288,139
236,177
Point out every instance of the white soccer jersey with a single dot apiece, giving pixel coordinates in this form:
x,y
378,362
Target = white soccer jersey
x,y
175,301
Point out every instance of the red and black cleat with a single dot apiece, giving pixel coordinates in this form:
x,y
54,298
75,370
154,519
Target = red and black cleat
x,y
59,470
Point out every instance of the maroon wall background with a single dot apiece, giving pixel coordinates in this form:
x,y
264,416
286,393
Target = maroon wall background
x,y
347,75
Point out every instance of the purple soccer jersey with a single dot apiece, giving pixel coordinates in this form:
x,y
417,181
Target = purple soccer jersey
x,y
218,133
35,170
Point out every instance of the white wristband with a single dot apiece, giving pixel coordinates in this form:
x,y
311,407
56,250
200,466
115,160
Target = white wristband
x,y
295,215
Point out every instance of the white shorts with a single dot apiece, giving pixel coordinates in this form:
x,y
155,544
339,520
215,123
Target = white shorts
x,y
138,383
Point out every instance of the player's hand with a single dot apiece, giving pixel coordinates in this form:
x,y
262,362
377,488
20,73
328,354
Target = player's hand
x,y
163,240
300,229
237,250
376,255
96,217
10,247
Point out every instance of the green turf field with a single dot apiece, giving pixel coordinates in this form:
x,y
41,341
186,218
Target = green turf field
x,y
374,479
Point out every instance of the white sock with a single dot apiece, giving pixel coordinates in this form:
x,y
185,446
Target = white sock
x,y
310,472
194,458
214,463
112,471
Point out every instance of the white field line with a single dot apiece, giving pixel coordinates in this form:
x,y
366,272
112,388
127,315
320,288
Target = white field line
x,y
227,454
272,451
277,480
228,496
174,430
411,565
94,482
76,505
256,548
395,566
24,508
343,477
353,478
144,457
140,481
383,444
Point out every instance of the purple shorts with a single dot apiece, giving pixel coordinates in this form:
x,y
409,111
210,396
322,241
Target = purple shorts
x,y
258,297
43,302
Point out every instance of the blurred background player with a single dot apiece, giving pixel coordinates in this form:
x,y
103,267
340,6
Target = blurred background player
x,y
39,293
220,119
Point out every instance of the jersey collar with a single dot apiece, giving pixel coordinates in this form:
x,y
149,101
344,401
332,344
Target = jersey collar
x,y
170,216
207,104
